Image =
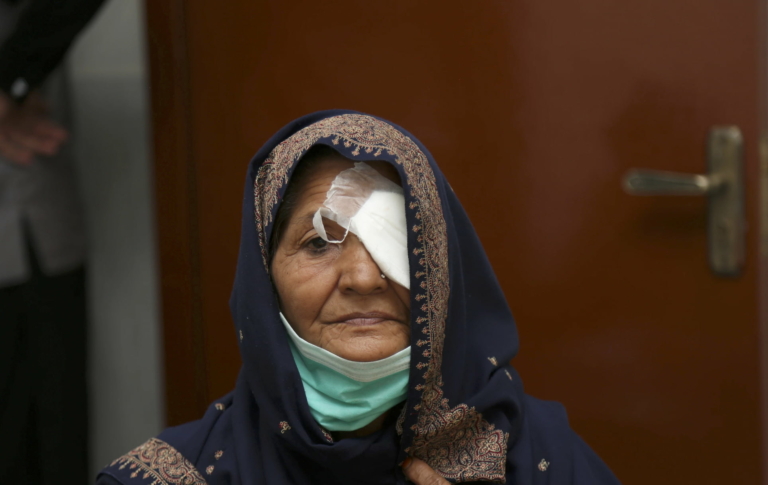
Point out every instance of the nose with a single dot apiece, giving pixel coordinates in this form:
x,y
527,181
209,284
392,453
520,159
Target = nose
x,y
359,273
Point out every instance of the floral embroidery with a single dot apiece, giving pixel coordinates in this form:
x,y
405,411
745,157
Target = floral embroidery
x,y
160,461
401,420
219,406
456,442
209,469
327,435
543,465
508,374
218,454
284,426
493,361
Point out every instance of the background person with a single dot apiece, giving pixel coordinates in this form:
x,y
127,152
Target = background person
x,y
43,401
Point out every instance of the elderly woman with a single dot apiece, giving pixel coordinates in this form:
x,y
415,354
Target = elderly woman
x,y
375,338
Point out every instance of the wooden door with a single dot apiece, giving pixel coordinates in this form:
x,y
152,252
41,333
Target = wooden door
x,y
534,110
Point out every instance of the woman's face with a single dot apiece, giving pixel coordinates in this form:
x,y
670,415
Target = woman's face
x,y
333,295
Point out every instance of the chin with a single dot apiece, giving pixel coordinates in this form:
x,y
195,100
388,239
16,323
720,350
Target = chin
x,y
367,353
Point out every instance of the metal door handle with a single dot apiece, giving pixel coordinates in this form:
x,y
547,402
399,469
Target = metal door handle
x,y
724,185
657,182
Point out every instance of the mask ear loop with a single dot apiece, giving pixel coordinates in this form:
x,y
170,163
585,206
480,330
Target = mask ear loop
x,y
317,221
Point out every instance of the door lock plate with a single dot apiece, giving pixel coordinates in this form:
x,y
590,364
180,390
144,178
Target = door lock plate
x,y
724,187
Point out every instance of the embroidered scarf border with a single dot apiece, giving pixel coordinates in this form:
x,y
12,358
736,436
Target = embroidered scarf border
x,y
160,462
455,441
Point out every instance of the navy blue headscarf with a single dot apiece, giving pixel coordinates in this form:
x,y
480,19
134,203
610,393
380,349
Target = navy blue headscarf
x,y
466,414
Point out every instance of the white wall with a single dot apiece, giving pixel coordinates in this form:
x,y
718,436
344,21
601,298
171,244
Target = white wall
x,y
111,129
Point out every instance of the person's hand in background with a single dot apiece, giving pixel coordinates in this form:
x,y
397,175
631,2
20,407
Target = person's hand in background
x,y
26,130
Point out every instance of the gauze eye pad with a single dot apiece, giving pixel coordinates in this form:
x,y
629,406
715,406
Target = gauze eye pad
x,y
372,207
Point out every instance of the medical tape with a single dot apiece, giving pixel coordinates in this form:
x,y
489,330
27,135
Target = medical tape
x,y
367,204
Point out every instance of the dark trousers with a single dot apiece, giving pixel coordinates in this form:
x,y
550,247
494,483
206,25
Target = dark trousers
x,y
43,401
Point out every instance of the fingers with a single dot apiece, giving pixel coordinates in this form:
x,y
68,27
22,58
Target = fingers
x,y
39,135
28,132
34,142
47,129
420,473
21,146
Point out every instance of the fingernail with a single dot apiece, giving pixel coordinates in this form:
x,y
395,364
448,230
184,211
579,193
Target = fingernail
x,y
406,463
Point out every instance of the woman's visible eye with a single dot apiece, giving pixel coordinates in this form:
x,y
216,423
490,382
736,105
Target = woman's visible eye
x,y
317,244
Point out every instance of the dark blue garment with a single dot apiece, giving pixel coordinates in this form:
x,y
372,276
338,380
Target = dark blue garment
x,y
466,414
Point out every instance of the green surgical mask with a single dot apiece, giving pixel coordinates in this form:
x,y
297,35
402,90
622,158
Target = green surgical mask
x,y
345,395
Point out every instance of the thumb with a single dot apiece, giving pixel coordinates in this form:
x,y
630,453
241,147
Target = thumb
x,y
420,473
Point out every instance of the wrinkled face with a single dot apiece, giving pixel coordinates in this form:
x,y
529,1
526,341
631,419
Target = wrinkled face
x,y
333,295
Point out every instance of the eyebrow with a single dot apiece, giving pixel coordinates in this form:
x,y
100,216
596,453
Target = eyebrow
x,y
307,220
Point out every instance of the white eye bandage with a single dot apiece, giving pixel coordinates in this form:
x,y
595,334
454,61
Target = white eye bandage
x,y
372,207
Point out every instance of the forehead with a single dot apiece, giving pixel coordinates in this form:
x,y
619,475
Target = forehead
x,y
317,181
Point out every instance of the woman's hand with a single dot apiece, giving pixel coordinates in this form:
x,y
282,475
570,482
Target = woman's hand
x,y
421,474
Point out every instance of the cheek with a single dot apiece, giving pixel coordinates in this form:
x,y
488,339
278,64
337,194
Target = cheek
x,y
403,294
304,285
